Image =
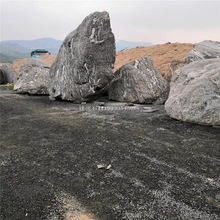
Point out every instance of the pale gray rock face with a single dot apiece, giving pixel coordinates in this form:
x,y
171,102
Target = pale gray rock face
x,y
8,74
195,93
84,66
139,82
205,50
33,78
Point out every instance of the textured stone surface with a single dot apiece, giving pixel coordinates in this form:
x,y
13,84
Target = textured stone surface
x,y
205,50
138,82
195,93
33,78
84,65
8,74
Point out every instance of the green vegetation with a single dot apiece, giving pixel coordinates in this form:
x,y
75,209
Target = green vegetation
x,y
7,86
10,86
11,52
20,49
7,58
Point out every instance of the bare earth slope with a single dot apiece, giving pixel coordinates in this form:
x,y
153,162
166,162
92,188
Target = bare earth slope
x,y
17,64
162,55
48,59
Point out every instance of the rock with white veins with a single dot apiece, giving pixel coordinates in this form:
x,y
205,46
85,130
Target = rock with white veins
x,y
205,50
33,78
195,93
139,82
84,66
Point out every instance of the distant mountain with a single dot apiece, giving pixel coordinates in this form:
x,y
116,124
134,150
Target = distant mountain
x,y
12,51
125,45
19,49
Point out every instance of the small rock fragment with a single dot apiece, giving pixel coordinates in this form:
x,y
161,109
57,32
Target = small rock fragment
x,y
99,103
3,163
129,104
109,167
100,166
149,109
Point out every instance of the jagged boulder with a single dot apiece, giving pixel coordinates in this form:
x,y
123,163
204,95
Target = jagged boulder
x,y
195,93
138,82
84,66
7,74
33,78
205,50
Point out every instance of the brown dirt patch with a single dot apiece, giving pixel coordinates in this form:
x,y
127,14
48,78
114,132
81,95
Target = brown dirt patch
x,y
49,59
162,55
17,64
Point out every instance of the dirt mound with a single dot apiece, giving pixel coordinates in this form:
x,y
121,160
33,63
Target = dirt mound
x,y
17,64
48,59
162,55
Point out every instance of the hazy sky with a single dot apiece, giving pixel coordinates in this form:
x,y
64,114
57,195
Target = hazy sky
x,y
151,21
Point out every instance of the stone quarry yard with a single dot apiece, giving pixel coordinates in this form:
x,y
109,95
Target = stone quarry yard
x,y
153,167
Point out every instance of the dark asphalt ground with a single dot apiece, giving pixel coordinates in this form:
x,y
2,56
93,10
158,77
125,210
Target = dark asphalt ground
x,y
49,151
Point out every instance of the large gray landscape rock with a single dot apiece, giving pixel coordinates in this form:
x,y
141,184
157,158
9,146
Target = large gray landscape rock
x,y
7,74
84,65
205,50
139,82
195,93
33,78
